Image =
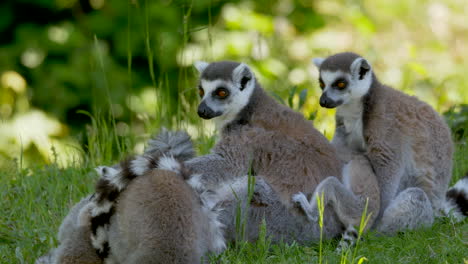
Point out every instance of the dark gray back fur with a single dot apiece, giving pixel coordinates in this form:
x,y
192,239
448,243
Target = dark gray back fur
x,y
219,70
339,62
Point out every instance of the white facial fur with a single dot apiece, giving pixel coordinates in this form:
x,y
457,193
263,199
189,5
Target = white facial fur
x,y
237,99
356,87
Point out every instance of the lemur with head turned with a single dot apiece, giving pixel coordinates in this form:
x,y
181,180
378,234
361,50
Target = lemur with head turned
x,y
407,143
279,146
258,134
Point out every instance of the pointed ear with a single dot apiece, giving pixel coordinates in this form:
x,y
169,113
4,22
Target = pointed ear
x,y
360,68
318,61
242,75
201,66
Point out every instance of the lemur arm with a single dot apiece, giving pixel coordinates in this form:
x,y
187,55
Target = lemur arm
x,y
213,169
228,160
339,142
387,163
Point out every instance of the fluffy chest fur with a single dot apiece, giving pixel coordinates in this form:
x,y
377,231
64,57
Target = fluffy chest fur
x,y
351,116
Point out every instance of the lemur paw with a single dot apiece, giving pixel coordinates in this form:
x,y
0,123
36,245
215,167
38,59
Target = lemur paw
x,y
349,240
300,199
301,202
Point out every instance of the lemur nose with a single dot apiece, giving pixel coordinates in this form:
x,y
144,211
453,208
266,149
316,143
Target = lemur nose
x,y
327,102
201,112
324,101
204,111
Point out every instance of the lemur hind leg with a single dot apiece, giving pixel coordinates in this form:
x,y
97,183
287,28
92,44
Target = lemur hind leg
x,y
411,209
348,199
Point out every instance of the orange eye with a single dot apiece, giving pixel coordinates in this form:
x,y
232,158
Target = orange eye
x,y
221,93
341,85
201,92
322,85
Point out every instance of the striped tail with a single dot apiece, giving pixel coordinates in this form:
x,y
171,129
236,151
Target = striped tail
x,y
457,199
115,179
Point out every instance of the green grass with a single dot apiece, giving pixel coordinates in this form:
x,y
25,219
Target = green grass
x,y
35,200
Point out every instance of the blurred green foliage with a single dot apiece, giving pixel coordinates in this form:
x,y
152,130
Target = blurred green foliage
x,y
128,63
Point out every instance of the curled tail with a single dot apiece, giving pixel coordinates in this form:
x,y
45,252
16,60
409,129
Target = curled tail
x,y
457,199
167,150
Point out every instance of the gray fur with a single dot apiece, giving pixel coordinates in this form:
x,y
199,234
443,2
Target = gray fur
x,y
411,209
283,225
407,143
338,62
276,144
115,179
347,198
172,143
219,70
74,239
160,219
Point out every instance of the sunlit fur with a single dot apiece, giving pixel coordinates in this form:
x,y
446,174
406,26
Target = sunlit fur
x,y
163,204
279,146
407,143
235,102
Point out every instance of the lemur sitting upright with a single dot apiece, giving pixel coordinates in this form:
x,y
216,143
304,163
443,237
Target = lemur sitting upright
x,y
408,144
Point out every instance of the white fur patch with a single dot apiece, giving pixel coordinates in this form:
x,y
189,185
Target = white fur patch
x,y
140,165
195,182
100,238
215,227
236,186
237,101
169,163
328,78
461,185
345,176
356,88
309,207
451,209
112,175
102,209
450,206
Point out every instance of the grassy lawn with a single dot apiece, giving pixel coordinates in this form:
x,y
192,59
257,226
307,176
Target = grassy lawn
x,y
35,200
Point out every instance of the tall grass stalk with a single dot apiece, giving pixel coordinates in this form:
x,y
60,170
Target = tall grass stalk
x,y
321,208
362,225
108,94
242,214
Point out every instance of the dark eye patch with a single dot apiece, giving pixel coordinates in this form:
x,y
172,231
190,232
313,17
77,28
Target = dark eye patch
x,y
340,84
220,93
321,83
201,92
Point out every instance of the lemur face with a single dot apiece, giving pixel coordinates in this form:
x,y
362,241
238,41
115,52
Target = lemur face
x,y
224,88
344,77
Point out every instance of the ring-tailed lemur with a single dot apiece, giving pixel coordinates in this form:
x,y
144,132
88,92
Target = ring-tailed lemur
x,y
261,135
161,217
257,133
407,143
194,211
74,239
115,179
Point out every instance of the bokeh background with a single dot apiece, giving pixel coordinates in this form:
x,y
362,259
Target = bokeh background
x,y
77,73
